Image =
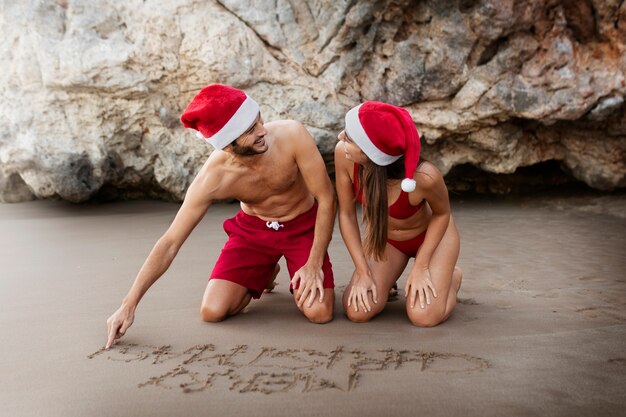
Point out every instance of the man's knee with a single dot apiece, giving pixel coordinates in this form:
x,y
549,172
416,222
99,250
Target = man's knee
x,y
319,313
212,313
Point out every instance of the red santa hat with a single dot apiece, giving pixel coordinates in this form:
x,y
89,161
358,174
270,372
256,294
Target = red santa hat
x,y
385,133
220,114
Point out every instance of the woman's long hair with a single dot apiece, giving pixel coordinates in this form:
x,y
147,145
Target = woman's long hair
x,y
373,179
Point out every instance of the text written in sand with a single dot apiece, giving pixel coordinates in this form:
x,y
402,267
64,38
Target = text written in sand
x,y
270,370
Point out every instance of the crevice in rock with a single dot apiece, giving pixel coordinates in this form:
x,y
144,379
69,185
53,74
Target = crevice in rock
x,y
305,20
581,19
547,175
491,50
324,67
147,189
276,52
466,6
410,19
338,27
606,107
14,189
616,25
350,46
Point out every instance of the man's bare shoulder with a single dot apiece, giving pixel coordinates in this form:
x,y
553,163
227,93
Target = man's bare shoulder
x,y
213,179
290,134
284,124
287,129
215,162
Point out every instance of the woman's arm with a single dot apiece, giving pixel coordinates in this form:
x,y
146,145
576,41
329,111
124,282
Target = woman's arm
x,y
431,185
362,281
348,223
430,181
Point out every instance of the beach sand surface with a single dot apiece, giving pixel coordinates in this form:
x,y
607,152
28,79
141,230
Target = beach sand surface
x,y
540,328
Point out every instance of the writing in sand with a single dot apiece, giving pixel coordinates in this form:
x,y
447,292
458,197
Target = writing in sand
x,y
270,370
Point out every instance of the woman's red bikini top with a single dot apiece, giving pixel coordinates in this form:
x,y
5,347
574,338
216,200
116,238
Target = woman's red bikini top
x,y
400,209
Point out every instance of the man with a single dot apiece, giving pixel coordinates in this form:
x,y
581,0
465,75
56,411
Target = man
x,y
287,209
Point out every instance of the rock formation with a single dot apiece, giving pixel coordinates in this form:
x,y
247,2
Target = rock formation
x,y
91,92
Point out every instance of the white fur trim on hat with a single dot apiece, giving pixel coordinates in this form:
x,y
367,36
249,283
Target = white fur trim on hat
x,y
241,121
201,136
357,134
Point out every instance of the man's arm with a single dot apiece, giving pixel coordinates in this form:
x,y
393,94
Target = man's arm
x,y
313,170
197,201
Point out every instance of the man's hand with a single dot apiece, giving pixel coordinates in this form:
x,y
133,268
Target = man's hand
x,y
118,323
311,279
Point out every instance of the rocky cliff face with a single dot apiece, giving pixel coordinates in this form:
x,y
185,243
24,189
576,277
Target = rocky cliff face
x,y
91,92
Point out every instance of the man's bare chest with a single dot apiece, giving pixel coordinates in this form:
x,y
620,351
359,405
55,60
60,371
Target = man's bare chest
x,y
268,181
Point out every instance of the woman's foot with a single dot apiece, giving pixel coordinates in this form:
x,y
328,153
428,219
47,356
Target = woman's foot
x,y
457,278
393,292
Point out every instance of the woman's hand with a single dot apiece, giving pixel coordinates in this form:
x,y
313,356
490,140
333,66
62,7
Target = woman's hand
x,y
362,283
420,285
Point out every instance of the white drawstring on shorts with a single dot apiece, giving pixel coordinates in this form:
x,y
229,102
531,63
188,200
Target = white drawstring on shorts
x,y
274,225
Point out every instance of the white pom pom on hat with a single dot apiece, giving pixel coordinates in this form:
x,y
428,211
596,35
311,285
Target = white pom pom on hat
x,y
385,133
220,114
408,185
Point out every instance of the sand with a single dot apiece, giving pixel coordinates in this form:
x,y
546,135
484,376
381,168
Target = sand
x,y
540,328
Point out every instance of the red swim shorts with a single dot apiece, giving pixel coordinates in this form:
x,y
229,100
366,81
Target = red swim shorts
x,y
255,246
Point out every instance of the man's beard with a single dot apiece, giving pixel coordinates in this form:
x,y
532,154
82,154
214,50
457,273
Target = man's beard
x,y
246,150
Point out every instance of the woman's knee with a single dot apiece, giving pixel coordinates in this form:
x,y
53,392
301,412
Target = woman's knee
x,y
361,316
430,316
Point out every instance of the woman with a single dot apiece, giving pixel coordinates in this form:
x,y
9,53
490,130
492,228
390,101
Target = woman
x,y
403,218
